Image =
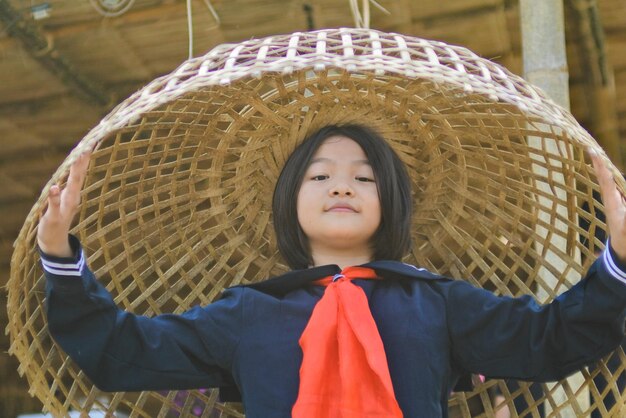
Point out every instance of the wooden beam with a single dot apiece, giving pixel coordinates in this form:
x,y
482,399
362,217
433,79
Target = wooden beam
x,y
42,49
599,79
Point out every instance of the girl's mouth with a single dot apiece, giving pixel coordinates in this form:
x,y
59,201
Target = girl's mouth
x,y
341,207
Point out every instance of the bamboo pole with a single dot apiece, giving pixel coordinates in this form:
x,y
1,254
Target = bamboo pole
x,y
543,47
545,65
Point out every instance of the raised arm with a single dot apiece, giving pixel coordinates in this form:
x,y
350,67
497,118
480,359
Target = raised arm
x,y
118,350
518,338
54,226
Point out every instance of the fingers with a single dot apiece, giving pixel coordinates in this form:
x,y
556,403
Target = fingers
x,y
63,203
78,172
614,207
55,223
54,201
611,196
70,198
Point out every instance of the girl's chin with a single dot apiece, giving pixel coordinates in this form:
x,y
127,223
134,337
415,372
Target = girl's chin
x,y
352,239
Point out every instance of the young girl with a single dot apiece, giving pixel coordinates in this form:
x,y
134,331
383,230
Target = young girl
x,y
328,339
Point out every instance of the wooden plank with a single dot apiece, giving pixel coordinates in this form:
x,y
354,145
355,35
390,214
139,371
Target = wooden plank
x,y
579,105
113,61
620,86
20,191
154,35
575,63
24,79
486,33
3,312
514,27
613,15
13,216
39,167
42,49
399,20
433,8
6,251
27,142
616,49
256,18
72,18
22,180
333,13
13,187
172,46
54,121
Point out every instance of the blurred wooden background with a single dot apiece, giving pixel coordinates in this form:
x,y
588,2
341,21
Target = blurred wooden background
x,y
64,65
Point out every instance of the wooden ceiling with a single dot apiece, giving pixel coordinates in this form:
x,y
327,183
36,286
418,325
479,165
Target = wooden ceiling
x,y
59,75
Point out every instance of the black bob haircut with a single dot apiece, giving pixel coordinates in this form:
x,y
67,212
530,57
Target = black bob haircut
x,y
392,240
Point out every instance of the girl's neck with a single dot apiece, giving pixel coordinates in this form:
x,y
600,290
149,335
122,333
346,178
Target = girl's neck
x,y
342,259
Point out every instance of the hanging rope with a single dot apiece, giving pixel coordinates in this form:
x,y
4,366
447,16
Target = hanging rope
x,y
362,19
190,28
190,22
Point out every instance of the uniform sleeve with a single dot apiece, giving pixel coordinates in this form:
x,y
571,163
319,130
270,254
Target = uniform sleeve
x,y
120,351
518,338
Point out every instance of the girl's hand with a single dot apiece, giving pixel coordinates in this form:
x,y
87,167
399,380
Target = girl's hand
x,y
54,225
614,206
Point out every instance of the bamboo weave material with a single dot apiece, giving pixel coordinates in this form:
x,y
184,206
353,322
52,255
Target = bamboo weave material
x,y
176,205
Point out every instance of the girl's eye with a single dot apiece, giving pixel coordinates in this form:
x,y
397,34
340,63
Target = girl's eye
x,y
319,177
365,179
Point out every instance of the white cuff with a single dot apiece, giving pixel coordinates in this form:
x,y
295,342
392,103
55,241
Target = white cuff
x,y
64,269
611,265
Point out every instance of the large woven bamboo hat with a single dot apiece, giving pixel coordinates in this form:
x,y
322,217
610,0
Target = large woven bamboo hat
x,y
177,201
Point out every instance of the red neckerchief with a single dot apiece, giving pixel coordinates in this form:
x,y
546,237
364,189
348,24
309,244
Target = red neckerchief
x,y
344,372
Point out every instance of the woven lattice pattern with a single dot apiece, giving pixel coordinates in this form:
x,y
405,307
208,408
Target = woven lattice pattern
x,y
177,201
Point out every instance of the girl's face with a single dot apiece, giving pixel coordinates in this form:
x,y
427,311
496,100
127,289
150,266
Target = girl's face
x,y
338,205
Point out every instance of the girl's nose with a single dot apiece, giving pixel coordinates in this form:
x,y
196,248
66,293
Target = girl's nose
x,y
341,189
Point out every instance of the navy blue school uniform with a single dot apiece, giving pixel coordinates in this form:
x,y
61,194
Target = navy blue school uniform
x,y
434,330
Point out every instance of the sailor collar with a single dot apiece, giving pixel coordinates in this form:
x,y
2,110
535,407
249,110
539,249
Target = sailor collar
x,y
295,279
